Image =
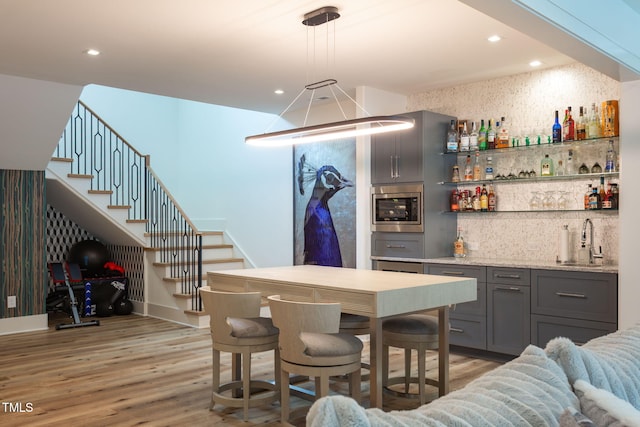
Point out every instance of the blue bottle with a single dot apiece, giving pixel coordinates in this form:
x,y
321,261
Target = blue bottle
x,y
556,131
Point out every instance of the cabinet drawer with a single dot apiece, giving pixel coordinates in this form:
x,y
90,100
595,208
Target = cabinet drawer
x,y
575,294
401,245
545,328
477,272
509,276
468,331
476,308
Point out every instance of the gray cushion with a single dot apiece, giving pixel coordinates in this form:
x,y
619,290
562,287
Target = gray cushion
x,y
330,345
252,328
412,324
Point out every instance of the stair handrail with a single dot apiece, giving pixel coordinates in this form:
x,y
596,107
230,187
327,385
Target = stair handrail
x,y
117,168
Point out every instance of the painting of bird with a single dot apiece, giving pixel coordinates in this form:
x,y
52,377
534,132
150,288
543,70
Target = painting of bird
x,y
321,243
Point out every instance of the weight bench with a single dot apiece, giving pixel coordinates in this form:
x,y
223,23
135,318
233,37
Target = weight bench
x,y
69,275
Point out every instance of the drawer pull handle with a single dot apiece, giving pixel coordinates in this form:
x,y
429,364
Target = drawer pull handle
x,y
458,330
510,288
453,273
396,246
571,295
507,276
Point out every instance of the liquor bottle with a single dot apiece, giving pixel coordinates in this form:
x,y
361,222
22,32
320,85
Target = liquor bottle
x,y
546,166
601,193
608,198
560,168
594,128
464,138
452,138
468,170
569,127
503,135
488,169
476,200
594,199
458,246
610,165
615,196
492,199
556,130
609,120
477,170
455,174
482,136
484,199
473,138
581,131
587,195
570,168
455,207
491,136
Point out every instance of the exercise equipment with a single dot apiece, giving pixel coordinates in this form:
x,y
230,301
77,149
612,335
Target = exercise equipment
x,y
90,255
68,274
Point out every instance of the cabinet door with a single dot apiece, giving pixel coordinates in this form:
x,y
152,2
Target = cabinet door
x,y
508,318
409,155
468,331
383,158
545,328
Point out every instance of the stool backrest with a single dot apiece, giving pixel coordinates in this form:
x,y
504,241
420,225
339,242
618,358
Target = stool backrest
x,y
222,305
293,318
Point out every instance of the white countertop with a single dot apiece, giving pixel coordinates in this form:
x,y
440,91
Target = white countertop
x,y
512,263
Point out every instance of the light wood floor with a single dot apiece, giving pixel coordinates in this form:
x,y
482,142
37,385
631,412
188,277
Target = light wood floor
x,y
134,370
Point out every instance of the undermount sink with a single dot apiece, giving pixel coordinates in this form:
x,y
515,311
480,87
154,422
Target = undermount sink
x,y
579,264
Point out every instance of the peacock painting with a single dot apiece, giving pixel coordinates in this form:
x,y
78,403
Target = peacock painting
x,y
321,238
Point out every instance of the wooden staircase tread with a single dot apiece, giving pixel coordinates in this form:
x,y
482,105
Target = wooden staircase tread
x,y
137,221
118,206
100,192
196,312
62,159
219,246
79,175
179,233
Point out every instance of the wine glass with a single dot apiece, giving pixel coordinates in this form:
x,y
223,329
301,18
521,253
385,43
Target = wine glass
x,y
549,202
535,203
563,201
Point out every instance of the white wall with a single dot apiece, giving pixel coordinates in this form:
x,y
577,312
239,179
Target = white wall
x,y
628,283
198,151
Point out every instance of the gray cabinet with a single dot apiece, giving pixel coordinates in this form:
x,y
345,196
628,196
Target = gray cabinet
x,y
397,156
415,155
577,305
468,320
508,310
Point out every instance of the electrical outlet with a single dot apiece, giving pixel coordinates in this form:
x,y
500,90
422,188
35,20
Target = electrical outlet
x,y
11,301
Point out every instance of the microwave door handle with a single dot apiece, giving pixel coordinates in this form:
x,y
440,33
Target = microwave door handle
x,y
397,168
393,170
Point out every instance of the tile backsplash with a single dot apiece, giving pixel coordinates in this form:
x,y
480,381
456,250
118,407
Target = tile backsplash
x,y
528,102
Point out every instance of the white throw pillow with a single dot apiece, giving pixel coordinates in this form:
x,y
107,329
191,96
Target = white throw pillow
x,y
604,408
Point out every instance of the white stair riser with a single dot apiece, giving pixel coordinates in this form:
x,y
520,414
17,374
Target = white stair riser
x,y
207,254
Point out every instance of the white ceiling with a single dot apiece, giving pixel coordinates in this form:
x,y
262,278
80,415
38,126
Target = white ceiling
x,y
237,53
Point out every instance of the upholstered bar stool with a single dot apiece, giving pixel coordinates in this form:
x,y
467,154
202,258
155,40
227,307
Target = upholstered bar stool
x,y
311,345
409,332
237,328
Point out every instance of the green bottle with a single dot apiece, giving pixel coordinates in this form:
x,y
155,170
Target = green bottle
x,y
546,166
482,137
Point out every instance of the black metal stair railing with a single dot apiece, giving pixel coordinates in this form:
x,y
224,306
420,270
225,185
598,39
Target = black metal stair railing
x,y
116,168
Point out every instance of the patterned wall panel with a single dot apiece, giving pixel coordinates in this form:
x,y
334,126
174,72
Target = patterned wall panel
x,y
63,233
22,236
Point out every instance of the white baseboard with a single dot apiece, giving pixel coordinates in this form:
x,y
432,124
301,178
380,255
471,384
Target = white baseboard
x,y
15,325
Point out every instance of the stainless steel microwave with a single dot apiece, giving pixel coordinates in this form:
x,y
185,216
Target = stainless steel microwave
x,y
397,208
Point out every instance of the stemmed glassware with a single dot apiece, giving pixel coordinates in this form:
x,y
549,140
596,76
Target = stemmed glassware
x,y
535,203
563,201
549,202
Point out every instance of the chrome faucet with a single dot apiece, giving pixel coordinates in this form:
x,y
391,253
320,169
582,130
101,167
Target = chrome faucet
x,y
583,241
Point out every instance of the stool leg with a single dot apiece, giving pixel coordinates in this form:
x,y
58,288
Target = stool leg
x,y
246,383
235,372
276,370
385,365
355,378
407,369
421,373
322,385
284,396
215,383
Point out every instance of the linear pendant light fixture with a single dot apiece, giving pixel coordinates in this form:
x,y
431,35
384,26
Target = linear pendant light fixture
x,y
329,131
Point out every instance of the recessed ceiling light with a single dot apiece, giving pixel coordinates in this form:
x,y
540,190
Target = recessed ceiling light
x,y
535,63
494,38
92,52
278,91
